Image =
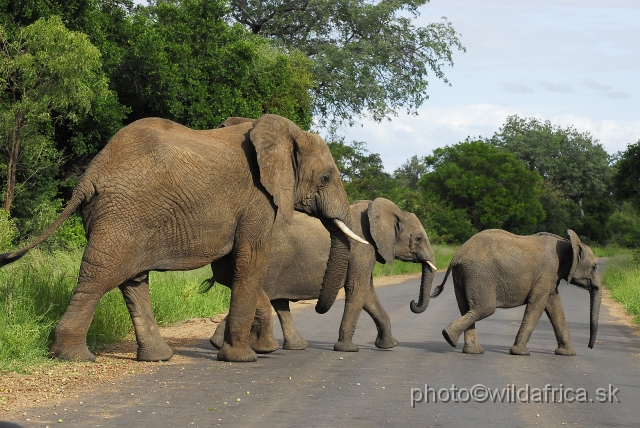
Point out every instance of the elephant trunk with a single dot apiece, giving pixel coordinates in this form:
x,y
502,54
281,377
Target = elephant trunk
x,y
425,289
595,295
336,267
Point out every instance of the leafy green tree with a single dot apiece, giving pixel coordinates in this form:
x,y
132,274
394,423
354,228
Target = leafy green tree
x,y
572,161
626,180
625,226
362,172
186,63
495,189
48,74
369,57
411,171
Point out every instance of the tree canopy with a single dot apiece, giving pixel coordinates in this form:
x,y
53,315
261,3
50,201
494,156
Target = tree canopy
x,y
48,74
574,162
491,185
626,180
368,57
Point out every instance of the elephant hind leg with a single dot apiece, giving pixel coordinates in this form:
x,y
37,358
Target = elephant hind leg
x,y
471,344
217,340
374,308
96,277
293,340
151,345
261,338
531,317
467,323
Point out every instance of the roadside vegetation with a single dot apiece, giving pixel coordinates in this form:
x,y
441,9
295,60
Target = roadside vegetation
x,y
622,277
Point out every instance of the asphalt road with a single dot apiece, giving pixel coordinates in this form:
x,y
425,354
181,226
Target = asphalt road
x,y
323,388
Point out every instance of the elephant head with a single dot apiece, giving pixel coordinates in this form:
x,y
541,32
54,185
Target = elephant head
x,y
584,273
298,171
399,235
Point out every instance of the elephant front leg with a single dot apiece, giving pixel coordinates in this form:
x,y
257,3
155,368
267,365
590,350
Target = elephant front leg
x,y
381,318
293,340
556,316
151,345
531,317
261,339
354,302
251,262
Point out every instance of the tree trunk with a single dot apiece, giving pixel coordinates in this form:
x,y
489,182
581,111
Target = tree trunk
x,y
13,162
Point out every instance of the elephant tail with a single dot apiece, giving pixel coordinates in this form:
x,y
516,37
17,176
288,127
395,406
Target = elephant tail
x,y
83,192
439,288
207,285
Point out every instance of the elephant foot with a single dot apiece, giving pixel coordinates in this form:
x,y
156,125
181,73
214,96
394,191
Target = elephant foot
x,y
386,342
76,353
470,349
450,336
346,347
238,353
264,345
518,350
159,353
567,350
217,341
295,345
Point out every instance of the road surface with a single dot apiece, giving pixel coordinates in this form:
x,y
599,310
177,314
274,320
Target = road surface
x,y
318,387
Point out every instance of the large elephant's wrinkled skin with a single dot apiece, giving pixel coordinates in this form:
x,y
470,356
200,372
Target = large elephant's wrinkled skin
x,y
496,269
298,258
161,196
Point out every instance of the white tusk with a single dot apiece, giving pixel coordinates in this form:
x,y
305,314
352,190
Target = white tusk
x,y
432,266
343,227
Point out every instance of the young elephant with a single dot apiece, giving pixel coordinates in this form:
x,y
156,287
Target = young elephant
x,y
298,260
498,269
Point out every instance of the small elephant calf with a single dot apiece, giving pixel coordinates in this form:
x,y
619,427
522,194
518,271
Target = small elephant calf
x,y
497,269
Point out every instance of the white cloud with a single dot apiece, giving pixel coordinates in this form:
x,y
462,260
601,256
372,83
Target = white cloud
x,y
405,136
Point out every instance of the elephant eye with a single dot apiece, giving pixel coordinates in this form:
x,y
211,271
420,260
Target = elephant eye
x,y
324,180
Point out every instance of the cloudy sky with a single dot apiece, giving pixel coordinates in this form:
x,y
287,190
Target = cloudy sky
x,y
572,62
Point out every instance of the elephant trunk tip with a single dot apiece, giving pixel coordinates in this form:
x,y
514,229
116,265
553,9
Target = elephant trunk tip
x,y
416,308
322,308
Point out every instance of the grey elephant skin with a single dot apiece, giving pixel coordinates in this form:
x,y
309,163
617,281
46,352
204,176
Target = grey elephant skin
x,y
497,269
161,196
299,256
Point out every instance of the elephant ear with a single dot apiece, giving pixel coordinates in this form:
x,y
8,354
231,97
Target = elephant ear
x,y
274,138
384,223
235,120
575,246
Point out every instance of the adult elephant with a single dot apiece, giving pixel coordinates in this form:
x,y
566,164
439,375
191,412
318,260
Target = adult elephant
x,y
161,196
298,259
498,269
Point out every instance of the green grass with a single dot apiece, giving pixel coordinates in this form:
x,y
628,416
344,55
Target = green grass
x,y
36,290
608,250
443,254
622,277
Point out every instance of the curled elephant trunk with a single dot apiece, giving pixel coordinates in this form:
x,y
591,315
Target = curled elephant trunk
x,y
428,271
595,295
336,267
